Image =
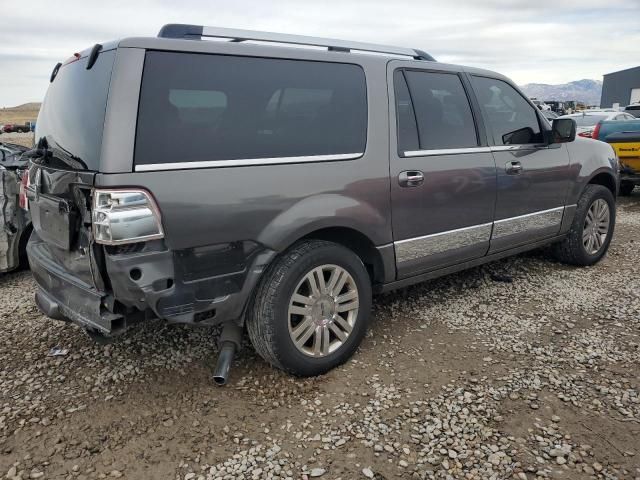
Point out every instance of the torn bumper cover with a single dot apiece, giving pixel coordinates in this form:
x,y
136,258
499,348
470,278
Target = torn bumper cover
x,y
13,220
146,284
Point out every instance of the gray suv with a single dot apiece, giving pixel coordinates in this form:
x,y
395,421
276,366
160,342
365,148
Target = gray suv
x,y
261,184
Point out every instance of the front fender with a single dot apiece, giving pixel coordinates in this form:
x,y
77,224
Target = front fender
x,y
326,211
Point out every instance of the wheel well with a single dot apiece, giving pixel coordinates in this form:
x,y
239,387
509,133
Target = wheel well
x,y
359,244
605,180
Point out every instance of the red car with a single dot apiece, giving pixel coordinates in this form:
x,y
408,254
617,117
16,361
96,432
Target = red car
x,y
13,128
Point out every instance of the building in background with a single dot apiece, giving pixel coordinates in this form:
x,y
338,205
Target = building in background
x,y
621,87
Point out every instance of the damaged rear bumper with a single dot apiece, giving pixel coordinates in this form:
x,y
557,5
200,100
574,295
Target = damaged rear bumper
x,y
177,286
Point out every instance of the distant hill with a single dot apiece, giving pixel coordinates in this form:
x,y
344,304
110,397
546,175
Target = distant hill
x,y
587,91
26,106
27,112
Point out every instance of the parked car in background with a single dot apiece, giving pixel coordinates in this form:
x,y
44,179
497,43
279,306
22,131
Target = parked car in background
x,y
633,109
587,120
19,128
624,137
540,104
549,115
15,225
278,188
557,107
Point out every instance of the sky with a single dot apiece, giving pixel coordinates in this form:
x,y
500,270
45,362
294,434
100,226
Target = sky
x,y
531,41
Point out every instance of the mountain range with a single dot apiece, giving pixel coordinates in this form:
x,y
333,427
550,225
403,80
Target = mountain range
x,y
587,91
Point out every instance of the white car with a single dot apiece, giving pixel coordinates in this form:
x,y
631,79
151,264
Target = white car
x,y
587,120
540,104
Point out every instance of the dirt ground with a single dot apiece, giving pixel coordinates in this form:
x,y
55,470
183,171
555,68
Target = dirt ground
x,y
524,368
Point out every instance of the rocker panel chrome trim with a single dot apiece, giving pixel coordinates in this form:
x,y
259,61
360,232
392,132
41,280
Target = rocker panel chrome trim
x,y
414,248
531,221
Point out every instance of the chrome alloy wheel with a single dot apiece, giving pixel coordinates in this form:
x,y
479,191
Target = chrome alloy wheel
x,y
596,226
323,310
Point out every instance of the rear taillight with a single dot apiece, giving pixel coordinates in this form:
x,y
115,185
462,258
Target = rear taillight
x,y
23,201
596,132
125,216
586,134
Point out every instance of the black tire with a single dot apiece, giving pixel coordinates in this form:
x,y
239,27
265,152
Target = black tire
x,y
626,188
571,250
268,319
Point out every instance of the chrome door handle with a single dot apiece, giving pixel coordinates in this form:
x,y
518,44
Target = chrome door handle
x,y
513,168
411,178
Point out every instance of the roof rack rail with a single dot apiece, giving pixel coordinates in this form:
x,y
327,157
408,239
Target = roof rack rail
x,y
196,32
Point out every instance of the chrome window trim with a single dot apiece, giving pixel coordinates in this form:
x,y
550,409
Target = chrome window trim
x,y
245,162
515,148
419,247
446,151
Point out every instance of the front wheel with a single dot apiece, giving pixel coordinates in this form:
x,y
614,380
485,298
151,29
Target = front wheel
x,y
311,309
592,228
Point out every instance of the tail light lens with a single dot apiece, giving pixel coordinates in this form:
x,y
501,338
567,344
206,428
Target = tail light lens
x,y
596,131
125,216
22,195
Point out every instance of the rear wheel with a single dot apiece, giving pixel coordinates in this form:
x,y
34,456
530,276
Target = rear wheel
x,y
311,309
626,188
592,228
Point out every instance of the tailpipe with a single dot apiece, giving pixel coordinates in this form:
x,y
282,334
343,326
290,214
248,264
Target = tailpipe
x,y
229,343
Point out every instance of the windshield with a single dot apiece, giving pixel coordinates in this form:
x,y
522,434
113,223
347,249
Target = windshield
x,y
589,120
72,115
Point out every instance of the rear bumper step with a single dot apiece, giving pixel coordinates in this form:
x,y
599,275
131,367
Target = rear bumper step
x,y
62,298
48,306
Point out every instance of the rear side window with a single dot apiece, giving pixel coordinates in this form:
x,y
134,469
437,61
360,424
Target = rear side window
x,y
405,116
198,107
71,118
511,118
442,111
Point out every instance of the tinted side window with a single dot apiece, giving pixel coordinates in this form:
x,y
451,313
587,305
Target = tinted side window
x,y
405,116
512,119
198,107
442,111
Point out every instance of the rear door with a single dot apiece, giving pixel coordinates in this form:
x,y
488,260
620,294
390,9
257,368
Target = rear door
x,y
443,175
532,177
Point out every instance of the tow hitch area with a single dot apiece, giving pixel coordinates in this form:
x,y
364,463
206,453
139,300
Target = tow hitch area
x,y
229,343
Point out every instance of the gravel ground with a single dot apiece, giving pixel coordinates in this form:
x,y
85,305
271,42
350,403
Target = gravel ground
x,y
522,369
25,139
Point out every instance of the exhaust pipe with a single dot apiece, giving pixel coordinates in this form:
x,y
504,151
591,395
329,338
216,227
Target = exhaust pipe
x,y
229,343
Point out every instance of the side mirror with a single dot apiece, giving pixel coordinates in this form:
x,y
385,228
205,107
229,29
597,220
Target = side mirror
x,y
563,130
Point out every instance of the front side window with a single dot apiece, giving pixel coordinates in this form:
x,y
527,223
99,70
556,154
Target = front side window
x,y
200,107
438,104
511,118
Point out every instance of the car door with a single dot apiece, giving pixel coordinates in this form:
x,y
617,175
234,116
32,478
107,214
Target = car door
x,y
443,175
532,176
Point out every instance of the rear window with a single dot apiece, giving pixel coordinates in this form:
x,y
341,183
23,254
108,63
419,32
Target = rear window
x,y
200,107
72,114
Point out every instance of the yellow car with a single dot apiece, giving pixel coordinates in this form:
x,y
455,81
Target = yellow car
x,y
626,143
